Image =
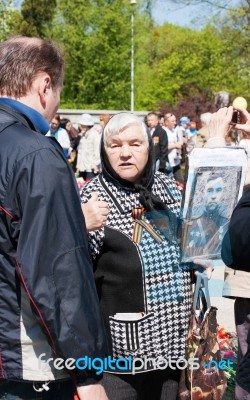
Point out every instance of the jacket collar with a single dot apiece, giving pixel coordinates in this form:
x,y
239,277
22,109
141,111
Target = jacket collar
x,y
126,200
34,118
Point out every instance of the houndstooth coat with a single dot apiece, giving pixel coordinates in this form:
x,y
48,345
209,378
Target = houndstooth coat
x,y
139,274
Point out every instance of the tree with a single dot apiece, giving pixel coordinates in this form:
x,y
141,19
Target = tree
x,y
191,106
180,59
9,19
37,17
235,31
172,64
97,39
184,63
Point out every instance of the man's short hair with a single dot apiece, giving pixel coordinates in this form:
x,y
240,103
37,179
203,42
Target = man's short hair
x,y
213,177
22,59
153,113
167,116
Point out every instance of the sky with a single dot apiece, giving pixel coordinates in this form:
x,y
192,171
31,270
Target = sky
x,y
191,15
175,12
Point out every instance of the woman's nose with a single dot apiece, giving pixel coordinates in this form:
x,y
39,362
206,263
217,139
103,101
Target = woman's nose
x,y
125,151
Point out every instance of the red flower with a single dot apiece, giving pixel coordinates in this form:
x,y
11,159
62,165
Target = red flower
x,y
223,334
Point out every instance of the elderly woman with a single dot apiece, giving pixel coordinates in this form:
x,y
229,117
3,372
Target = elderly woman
x,y
145,294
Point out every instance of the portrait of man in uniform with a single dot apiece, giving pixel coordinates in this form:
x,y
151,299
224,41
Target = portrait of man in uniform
x,y
209,214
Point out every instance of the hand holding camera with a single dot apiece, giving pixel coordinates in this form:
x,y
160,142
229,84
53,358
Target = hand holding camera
x,y
222,121
240,115
243,120
236,117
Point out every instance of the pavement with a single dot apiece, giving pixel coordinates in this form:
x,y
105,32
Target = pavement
x,y
225,313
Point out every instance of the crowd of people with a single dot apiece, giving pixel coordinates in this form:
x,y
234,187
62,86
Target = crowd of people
x,y
96,278
172,141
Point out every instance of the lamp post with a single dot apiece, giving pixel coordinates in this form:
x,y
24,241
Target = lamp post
x,y
132,97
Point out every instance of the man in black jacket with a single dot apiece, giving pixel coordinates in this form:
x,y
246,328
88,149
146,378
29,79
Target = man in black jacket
x,y
236,253
48,303
160,141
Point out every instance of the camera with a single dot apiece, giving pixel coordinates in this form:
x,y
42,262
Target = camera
x,y
236,117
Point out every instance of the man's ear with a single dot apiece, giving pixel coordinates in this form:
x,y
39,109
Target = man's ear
x,y
44,87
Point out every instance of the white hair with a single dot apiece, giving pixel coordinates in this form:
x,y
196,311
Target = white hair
x,y
121,121
206,117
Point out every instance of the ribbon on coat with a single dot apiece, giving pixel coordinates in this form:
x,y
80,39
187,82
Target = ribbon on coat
x,y
138,215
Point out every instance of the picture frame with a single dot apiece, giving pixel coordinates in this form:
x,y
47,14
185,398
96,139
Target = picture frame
x,y
214,184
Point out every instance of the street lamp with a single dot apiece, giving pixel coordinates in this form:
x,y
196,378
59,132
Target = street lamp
x,y
133,3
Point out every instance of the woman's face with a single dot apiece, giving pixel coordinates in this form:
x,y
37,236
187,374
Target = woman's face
x,y
128,153
68,126
54,125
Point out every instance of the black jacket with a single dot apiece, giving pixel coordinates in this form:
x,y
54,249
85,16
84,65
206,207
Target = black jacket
x,y
160,140
236,243
236,254
44,260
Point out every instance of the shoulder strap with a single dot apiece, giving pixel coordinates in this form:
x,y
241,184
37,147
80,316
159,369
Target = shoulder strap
x,y
201,278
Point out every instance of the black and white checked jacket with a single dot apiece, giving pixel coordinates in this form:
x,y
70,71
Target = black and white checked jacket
x,y
145,279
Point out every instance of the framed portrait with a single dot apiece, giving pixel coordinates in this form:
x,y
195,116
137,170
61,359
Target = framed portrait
x,y
214,184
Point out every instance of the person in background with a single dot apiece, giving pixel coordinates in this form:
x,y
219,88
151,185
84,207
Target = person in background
x,y
161,119
192,128
49,306
201,137
160,141
183,132
66,124
205,119
60,134
174,146
183,128
88,158
104,118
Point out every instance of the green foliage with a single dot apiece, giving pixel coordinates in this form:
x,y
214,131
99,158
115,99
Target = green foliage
x,y
215,58
97,40
172,64
9,19
180,58
235,30
37,17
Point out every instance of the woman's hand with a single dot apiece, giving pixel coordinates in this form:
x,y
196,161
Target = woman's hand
x,y
220,122
245,120
95,213
207,265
